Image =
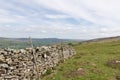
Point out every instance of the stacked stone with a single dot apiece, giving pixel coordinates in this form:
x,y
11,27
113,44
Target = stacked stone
x,y
19,64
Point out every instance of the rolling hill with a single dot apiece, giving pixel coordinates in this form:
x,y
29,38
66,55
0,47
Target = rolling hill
x,y
106,39
24,42
98,59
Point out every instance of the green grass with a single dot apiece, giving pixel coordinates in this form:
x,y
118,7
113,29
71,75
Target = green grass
x,y
92,58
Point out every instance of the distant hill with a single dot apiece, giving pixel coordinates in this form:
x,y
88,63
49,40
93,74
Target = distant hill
x,y
107,39
24,42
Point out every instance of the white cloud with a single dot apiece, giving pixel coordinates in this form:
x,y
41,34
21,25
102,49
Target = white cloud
x,y
95,18
73,8
56,16
94,11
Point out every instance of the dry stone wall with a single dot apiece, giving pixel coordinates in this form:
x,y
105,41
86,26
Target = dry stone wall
x,y
22,65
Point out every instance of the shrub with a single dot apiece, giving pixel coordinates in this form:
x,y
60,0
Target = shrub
x,y
71,44
48,72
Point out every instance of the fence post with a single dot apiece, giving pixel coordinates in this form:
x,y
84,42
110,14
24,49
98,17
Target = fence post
x,y
35,67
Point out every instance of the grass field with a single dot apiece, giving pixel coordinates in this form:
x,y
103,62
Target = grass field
x,y
90,63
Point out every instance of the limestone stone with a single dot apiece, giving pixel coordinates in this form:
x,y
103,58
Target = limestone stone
x,y
4,65
2,58
21,65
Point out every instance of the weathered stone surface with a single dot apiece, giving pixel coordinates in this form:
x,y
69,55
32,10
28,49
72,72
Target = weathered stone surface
x,y
2,58
21,65
4,65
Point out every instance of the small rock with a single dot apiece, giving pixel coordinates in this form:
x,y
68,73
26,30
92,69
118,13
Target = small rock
x,y
80,71
4,65
2,58
118,77
9,61
93,64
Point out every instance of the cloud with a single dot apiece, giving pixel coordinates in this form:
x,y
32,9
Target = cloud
x,y
56,16
68,7
63,19
93,11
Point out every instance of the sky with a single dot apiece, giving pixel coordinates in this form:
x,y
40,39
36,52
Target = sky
x,y
67,19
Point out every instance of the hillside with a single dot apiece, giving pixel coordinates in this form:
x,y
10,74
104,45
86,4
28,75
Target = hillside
x,y
106,39
94,61
24,42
